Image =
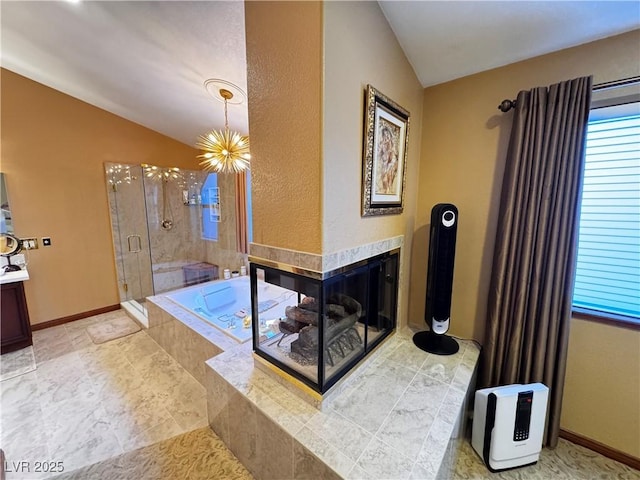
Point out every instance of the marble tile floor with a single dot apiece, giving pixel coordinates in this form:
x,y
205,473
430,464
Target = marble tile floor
x,y
567,461
125,410
201,455
85,403
196,455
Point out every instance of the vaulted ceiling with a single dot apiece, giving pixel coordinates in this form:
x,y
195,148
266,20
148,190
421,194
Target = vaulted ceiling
x,y
147,61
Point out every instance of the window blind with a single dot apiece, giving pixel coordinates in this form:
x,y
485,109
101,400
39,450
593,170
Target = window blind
x,y
608,268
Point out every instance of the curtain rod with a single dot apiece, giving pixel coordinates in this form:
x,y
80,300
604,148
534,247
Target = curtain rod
x,y
507,105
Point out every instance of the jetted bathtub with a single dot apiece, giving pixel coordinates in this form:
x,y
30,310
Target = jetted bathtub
x,y
226,304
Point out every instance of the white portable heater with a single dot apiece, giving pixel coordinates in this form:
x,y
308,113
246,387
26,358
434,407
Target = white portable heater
x,y
508,425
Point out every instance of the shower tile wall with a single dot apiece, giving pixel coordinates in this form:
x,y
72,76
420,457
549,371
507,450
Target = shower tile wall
x,y
183,242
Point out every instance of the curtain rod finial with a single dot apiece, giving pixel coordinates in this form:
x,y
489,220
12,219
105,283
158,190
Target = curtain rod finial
x,y
507,105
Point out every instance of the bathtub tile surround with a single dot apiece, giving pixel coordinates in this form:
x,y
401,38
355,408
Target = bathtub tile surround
x,y
388,420
184,336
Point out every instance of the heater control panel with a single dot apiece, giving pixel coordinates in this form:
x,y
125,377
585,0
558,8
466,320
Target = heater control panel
x,y
523,416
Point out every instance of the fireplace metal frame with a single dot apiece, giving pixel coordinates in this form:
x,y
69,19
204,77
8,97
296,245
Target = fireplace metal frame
x,y
383,262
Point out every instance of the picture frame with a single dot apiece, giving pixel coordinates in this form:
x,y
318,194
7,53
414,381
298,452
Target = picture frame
x,y
386,142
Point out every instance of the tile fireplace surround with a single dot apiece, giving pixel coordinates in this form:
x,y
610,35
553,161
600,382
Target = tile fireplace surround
x,y
398,415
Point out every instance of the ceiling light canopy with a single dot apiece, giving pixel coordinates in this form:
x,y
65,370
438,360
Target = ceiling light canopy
x,y
224,151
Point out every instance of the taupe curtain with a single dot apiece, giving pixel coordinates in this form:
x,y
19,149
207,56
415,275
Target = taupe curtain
x,y
529,304
242,234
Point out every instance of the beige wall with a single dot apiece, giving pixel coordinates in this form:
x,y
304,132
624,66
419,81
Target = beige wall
x,y
361,49
284,81
311,201
53,151
602,387
464,140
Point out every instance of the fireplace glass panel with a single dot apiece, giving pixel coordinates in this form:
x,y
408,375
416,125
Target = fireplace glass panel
x,y
279,328
345,313
318,329
383,303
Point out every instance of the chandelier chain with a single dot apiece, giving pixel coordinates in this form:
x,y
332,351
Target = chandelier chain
x,y
226,121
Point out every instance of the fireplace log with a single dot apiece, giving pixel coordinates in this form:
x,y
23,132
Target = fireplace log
x,y
309,303
350,304
288,326
298,314
342,312
336,311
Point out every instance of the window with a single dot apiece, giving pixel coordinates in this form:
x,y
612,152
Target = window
x,y
210,195
608,269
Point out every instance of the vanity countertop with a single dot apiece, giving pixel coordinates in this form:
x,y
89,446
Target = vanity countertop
x,y
10,277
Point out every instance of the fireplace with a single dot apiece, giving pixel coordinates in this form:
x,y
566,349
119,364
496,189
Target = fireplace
x,y
318,326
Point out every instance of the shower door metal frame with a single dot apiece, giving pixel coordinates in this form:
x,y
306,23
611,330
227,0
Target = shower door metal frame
x,y
133,262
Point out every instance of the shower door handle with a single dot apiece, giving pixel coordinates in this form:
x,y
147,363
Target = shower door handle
x,y
139,242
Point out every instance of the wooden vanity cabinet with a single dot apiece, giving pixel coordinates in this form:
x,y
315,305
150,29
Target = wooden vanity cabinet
x,y
15,329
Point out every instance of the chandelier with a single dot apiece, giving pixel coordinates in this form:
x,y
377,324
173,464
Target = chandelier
x,y
224,151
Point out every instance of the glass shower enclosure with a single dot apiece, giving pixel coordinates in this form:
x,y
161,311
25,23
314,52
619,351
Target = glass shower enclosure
x,y
156,222
130,236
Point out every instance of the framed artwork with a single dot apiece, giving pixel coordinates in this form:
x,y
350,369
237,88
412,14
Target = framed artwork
x,y
386,140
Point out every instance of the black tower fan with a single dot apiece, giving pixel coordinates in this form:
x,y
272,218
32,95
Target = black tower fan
x,y
442,249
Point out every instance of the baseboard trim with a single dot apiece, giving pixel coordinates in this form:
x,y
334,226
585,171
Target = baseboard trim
x,y
601,448
72,318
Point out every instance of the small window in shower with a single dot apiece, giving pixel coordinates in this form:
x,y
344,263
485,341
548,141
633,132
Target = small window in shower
x,y
210,195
